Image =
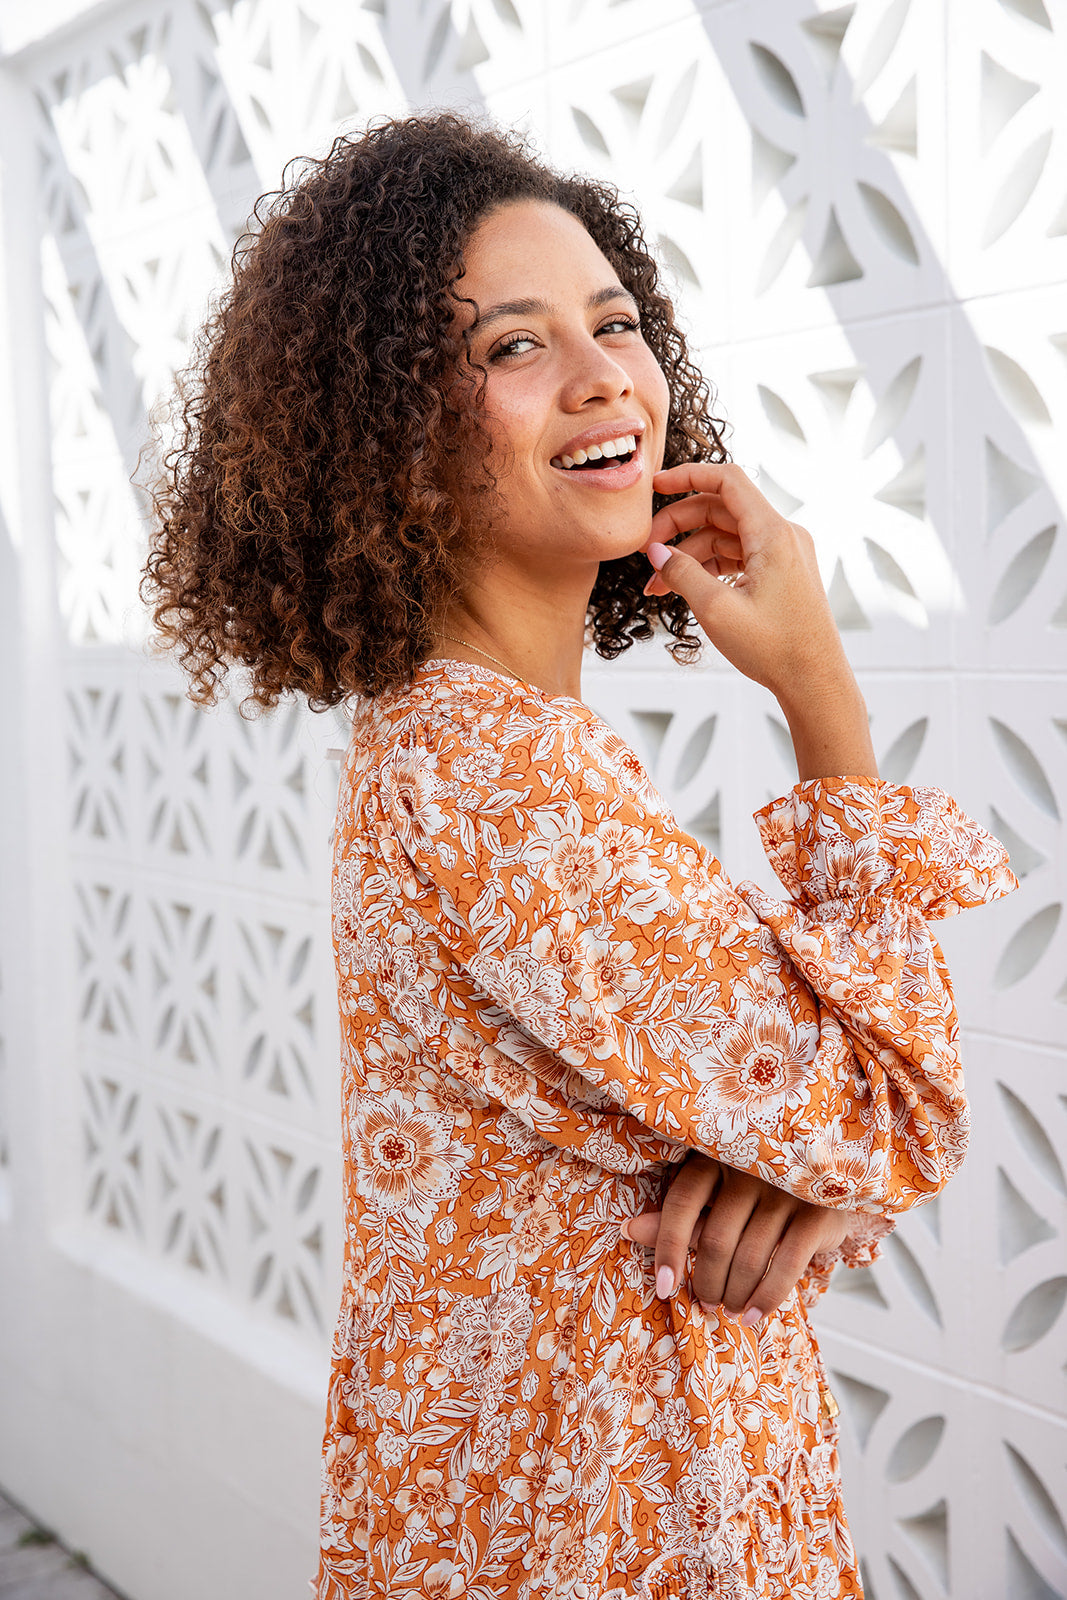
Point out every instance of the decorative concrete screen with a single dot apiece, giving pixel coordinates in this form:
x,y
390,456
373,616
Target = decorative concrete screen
x,y
864,210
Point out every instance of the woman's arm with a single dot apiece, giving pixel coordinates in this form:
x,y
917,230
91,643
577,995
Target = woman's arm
x,y
752,1242
622,1000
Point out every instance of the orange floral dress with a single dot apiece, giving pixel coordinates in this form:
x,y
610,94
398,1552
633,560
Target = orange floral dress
x,y
549,992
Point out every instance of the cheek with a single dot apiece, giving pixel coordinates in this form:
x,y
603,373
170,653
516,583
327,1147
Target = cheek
x,y
511,423
659,397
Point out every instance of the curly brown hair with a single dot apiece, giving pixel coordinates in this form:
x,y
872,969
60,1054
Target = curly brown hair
x,y
306,530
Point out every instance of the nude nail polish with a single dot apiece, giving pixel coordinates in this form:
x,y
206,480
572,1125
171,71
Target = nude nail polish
x,y
664,1283
752,1317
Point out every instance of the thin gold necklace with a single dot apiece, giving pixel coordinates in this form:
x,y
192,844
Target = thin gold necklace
x,y
455,639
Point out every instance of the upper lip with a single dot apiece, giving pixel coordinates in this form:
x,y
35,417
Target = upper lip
x,y
616,429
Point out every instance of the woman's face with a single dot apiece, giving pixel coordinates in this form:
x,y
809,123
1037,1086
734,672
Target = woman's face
x,y
575,401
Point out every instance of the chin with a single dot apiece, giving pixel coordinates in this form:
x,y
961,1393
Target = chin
x,y
630,546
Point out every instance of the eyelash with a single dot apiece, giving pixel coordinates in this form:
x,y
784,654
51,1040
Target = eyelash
x,y
506,351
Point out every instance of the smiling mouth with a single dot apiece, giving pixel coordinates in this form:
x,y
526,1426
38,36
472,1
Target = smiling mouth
x,y
602,457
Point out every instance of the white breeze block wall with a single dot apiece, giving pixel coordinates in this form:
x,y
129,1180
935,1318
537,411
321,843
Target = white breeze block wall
x,y
864,209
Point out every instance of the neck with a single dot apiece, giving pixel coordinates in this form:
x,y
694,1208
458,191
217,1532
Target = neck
x,y
535,632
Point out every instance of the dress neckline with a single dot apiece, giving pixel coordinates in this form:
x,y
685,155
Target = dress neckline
x,y
442,663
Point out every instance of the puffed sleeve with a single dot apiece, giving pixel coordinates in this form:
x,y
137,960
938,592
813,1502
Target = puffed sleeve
x,y
811,1041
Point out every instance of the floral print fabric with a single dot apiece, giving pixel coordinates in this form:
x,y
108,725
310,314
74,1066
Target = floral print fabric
x,y
549,992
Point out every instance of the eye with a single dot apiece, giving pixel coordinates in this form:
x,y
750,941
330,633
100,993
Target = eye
x,y
622,323
516,344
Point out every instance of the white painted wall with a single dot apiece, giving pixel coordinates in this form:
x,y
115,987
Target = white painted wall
x,y
866,210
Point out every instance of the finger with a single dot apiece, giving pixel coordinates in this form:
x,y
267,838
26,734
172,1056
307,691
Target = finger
x,y
717,552
720,1236
692,476
724,478
800,1241
686,1198
739,495
695,511
680,574
708,543
761,1240
718,566
644,1228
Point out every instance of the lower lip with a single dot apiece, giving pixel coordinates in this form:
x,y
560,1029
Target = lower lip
x,y
623,477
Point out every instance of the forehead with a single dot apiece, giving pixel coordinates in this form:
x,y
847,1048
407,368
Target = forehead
x,y
530,249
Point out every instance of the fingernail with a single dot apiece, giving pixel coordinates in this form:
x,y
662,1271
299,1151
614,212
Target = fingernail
x,y
752,1317
709,1311
624,1231
664,1283
658,554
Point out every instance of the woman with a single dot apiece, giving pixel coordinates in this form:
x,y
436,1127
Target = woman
x,y
435,418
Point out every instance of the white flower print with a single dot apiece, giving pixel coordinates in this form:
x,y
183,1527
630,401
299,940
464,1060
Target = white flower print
x,y
672,1423
491,1444
610,978
404,1157
528,989
386,1401
627,850
571,860
411,792
345,1472
558,944
591,1032
407,980
543,1479
481,766
399,868
646,1370
392,1447
574,1562
763,1065
431,1499
596,1436
488,1339
577,868
829,1174
388,1061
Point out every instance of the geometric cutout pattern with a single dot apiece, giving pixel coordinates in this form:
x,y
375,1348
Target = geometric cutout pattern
x,y
867,235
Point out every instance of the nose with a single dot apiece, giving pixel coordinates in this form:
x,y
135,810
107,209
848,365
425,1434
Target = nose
x,y
593,374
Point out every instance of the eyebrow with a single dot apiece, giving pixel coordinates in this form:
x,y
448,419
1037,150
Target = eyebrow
x,y
541,308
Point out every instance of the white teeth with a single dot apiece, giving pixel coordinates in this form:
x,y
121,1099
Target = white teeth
x,y
625,445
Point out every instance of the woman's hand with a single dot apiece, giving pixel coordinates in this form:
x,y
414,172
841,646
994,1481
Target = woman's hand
x,y
753,1242
772,620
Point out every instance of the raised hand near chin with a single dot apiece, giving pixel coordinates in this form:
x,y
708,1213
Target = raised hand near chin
x,y
771,619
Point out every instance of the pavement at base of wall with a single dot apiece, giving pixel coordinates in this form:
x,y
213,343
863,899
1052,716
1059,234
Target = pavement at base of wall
x,y
35,1566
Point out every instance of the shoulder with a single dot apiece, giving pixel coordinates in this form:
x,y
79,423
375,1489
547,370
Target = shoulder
x,y
505,733
463,734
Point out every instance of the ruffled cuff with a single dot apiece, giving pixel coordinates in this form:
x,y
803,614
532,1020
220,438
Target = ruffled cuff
x,y
862,1245
836,843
